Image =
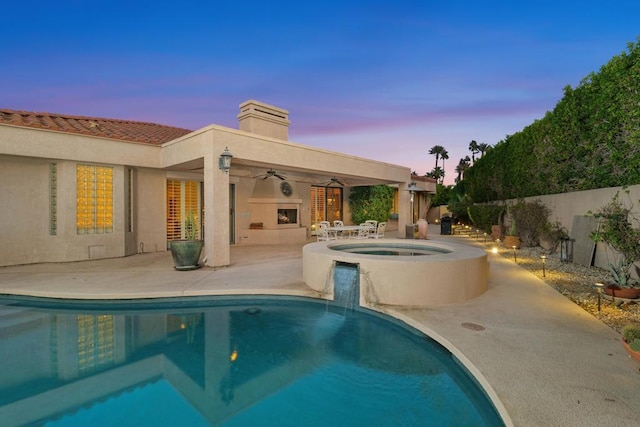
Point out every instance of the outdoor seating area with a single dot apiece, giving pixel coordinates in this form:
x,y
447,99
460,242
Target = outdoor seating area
x,y
367,230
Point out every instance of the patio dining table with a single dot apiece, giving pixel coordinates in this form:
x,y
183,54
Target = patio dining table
x,y
348,229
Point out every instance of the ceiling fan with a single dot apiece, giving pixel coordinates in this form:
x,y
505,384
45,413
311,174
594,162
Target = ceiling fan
x,y
271,173
333,181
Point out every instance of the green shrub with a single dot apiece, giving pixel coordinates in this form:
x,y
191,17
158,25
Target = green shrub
x,y
630,333
373,202
531,219
484,216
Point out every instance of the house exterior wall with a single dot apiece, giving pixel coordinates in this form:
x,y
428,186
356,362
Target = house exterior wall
x,y
24,218
26,153
150,210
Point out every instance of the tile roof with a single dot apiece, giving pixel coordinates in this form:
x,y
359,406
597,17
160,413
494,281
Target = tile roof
x,y
126,130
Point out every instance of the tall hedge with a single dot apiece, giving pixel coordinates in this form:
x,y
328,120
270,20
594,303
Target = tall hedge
x,y
373,202
590,140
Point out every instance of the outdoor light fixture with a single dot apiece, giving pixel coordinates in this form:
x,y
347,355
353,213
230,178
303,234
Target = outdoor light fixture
x,y
514,254
485,238
544,260
224,162
599,287
494,249
412,190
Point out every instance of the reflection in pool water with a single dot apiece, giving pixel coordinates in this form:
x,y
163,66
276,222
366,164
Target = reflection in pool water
x,y
225,361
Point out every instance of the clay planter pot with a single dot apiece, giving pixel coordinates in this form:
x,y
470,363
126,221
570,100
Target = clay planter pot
x,y
511,241
618,292
635,355
186,253
496,232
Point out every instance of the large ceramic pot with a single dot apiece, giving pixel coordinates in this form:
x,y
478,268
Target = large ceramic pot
x,y
186,253
511,241
618,292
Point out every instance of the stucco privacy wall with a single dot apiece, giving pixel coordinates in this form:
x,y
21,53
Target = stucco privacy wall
x,y
567,205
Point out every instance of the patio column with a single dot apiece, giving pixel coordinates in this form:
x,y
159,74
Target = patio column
x,y
216,217
404,210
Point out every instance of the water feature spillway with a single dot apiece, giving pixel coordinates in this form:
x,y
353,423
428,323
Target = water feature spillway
x,y
346,279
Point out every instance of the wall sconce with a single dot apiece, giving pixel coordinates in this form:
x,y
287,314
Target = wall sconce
x,y
224,162
544,261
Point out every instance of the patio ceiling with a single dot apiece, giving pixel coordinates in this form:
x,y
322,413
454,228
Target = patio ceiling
x,y
243,168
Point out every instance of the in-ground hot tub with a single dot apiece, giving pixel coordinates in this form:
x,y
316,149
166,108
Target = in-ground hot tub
x,y
398,272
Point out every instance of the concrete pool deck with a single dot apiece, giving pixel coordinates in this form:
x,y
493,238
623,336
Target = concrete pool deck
x,y
548,361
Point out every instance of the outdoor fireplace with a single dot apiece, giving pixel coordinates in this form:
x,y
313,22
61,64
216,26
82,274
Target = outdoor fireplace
x,y
275,214
287,216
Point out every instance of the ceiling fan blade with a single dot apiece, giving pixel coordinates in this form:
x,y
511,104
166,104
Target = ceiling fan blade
x,y
280,176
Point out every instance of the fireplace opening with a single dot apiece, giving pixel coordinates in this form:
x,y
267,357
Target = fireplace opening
x,y
287,216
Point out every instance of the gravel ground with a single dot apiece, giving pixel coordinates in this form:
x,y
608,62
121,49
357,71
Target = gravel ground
x,y
575,282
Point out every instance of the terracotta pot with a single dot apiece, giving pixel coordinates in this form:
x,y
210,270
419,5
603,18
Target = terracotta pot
x,y
618,292
635,355
511,241
496,232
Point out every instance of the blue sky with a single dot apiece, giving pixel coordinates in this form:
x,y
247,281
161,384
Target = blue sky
x,y
386,80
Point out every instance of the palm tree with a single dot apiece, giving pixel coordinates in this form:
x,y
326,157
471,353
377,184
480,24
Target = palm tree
x,y
482,148
473,147
462,167
444,156
437,173
437,150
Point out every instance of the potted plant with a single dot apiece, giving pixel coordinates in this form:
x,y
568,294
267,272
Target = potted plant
x,y
631,340
511,239
616,230
497,229
186,252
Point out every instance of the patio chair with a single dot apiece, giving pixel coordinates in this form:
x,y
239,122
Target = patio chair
x,y
340,234
379,232
363,231
324,234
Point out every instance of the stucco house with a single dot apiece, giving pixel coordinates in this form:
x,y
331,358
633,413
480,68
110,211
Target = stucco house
x,y
76,188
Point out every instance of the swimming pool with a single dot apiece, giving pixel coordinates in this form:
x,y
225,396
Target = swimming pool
x,y
225,361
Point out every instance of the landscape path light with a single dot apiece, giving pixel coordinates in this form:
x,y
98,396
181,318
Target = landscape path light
x,y
514,254
544,261
599,287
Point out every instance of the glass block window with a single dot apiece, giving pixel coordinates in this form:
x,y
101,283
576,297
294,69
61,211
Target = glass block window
x,y
53,199
94,199
96,342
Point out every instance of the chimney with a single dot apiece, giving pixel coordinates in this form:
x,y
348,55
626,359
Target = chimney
x,y
264,119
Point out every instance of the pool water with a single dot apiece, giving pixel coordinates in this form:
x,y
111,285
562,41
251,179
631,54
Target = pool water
x,y
226,361
389,249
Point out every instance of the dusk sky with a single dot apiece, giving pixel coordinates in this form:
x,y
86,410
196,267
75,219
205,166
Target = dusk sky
x,y
385,80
